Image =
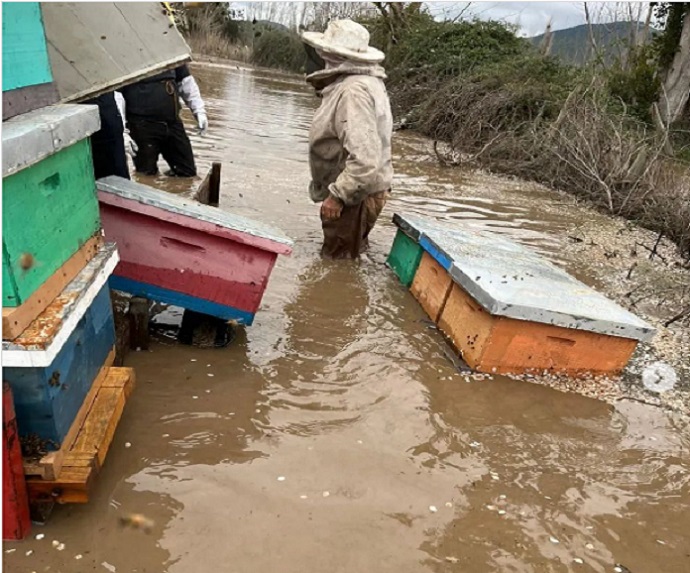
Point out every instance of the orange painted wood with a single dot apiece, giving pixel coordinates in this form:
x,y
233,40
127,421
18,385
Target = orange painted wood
x,y
467,325
505,345
16,319
431,286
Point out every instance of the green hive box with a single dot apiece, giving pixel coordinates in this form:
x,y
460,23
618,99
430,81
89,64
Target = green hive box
x,y
404,257
49,202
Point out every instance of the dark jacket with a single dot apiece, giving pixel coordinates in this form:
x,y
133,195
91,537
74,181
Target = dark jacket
x,y
155,98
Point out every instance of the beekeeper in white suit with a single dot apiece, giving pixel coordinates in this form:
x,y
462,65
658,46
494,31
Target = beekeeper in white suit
x,y
151,108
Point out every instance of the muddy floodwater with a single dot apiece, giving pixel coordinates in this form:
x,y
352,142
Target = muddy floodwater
x,y
335,435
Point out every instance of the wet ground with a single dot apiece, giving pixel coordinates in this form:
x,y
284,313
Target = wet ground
x,y
335,435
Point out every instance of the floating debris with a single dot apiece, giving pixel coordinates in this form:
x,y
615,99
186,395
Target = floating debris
x,y
303,496
495,477
55,543
210,375
554,540
208,391
660,542
491,507
589,546
326,493
40,536
109,567
433,509
474,444
360,442
502,496
137,521
193,360
579,561
195,397
77,557
166,435
29,552
449,504
281,478
452,559
8,551
128,445
501,512
61,547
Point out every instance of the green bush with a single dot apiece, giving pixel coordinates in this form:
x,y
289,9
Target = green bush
x,y
636,86
280,49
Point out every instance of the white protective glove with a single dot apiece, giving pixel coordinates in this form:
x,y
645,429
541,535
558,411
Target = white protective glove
x,y
131,147
189,90
202,122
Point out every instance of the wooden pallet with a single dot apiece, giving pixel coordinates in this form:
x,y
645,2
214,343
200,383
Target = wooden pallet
x,y
92,434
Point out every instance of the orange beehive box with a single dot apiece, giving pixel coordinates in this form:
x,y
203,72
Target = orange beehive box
x,y
506,309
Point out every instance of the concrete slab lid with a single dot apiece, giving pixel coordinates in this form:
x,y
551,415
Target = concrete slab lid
x,y
189,209
33,136
43,339
508,279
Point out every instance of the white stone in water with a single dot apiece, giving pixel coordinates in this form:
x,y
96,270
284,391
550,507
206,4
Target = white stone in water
x,y
578,560
29,552
452,559
195,397
55,543
281,478
208,391
193,360
77,557
10,551
40,536
303,497
166,435
210,375
589,546
326,493
660,542
60,547
553,540
128,445
449,504
501,512
433,509
618,569
502,496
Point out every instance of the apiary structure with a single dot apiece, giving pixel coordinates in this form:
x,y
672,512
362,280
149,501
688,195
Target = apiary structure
x,y
507,309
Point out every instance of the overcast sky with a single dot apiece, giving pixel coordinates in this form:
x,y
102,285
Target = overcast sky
x,y
531,17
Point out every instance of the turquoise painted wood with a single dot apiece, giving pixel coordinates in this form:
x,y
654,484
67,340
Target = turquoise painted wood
x,y
404,257
48,399
48,211
24,51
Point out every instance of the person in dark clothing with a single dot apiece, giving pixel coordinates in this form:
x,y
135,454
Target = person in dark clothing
x,y
108,143
152,107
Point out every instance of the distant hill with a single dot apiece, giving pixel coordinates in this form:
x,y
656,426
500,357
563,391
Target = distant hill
x,y
572,44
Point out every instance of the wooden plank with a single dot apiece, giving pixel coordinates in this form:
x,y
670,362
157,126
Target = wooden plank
x,y
48,467
99,428
94,437
24,52
72,486
79,419
29,98
63,207
16,319
98,47
208,193
431,286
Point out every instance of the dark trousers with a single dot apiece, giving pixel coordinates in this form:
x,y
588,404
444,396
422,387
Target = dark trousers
x,y
166,138
108,144
347,237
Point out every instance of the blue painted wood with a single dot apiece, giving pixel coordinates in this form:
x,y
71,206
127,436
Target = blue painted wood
x,y
179,299
46,402
24,52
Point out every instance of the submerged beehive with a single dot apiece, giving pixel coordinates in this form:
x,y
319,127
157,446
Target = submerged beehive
x,y
506,309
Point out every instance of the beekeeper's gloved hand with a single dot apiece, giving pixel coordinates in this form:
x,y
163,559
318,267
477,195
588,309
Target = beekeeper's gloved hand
x,y
202,122
131,147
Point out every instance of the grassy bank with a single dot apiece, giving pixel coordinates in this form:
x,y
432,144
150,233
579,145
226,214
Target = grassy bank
x,y
493,100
